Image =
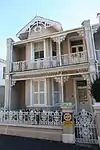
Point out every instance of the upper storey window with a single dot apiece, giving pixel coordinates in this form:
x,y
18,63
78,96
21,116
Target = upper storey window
x,y
38,50
76,46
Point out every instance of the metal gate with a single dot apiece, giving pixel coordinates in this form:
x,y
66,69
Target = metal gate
x,y
85,128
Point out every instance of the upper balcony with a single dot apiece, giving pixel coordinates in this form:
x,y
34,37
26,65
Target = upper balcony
x,y
50,62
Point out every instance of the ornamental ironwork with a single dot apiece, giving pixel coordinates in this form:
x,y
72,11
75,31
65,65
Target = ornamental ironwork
x,y
85,127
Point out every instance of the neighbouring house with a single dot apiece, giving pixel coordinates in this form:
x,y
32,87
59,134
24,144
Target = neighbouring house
x,y
49,67
2,82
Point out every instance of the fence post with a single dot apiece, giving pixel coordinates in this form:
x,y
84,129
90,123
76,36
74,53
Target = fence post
x,y
97,112
68,134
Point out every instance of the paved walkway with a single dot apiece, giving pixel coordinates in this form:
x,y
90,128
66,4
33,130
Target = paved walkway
x,y
18,143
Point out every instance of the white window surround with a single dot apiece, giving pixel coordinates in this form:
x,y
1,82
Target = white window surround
x,y
39,92
37,47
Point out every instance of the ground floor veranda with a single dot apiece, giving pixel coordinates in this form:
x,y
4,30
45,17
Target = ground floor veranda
x,y
51,91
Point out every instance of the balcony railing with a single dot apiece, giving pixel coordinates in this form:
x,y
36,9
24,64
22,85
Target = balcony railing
x,y
50,62
48,118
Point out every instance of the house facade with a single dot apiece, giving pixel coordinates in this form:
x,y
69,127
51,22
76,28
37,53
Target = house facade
x,y
49,67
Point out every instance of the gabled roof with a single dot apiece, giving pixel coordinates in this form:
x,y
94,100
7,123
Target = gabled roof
x,y
55,24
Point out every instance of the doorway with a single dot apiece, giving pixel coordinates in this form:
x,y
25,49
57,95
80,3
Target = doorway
x,y
81,95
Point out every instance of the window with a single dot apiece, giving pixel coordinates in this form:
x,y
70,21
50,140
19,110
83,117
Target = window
x,y
38,50
39,92
76,46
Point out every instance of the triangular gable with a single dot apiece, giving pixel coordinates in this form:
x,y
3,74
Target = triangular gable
x,y
39,20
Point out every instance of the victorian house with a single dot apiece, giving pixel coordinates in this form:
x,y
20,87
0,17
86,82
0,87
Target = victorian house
x,y
49,67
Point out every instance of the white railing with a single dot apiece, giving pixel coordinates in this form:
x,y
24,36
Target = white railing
x,y
48,118
51,62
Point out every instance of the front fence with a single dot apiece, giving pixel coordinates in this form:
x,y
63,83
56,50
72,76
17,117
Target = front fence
x,y
85,127
49,118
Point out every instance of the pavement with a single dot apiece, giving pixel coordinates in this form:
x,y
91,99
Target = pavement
x,y
21,143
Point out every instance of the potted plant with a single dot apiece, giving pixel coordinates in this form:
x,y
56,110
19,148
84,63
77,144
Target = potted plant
x,y
95,91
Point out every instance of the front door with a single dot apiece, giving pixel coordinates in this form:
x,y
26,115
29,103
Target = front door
x,y
82,95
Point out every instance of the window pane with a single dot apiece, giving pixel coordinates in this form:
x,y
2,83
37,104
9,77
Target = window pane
x,y
56,97
41,98
56,86
35,84
41,54
53,45
36,55
35,98
41,86
80,49
53,53
74,50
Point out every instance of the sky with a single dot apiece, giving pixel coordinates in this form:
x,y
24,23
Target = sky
x,y
14,14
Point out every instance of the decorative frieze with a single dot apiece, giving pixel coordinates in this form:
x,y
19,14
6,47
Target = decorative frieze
x,y
59,38
13,82
81,33
49,73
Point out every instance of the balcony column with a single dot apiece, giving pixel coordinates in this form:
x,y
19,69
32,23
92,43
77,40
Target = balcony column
x,y
62,89
59,50
32,51
45,53
31,93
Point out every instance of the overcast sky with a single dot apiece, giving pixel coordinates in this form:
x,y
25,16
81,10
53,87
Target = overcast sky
x,y
14,14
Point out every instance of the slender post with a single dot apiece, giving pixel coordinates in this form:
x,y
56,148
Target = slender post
x,y
62,89
31,93
59,48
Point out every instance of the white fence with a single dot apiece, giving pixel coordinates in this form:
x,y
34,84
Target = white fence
x,y
48,118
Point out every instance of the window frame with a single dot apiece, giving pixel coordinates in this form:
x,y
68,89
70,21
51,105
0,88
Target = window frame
x,y
38,49
77,46
39,92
